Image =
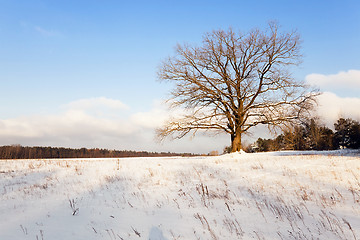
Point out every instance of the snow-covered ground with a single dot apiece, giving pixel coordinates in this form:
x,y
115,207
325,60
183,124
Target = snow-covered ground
x,y
288,195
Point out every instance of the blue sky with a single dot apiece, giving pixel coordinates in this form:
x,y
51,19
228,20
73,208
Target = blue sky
x,y
57,54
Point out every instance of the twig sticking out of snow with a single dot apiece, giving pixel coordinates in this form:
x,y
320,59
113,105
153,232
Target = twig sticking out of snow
x,y
136,232
24,229
73,207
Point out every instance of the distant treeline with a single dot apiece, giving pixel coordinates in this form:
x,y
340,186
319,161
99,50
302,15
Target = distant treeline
x,y
312,135
20,152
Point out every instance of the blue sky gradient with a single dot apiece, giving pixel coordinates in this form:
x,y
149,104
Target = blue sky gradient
x,y
53,53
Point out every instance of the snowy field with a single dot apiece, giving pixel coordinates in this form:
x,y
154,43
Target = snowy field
x,y
237,196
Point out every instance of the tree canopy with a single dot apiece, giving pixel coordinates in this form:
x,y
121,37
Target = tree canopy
x,y
234,82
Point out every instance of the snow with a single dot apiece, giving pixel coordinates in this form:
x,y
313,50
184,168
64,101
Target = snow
x,y
278,195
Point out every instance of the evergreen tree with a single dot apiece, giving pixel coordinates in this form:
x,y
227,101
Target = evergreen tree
x,y
347,133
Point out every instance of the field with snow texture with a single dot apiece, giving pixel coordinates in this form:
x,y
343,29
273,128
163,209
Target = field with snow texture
x,y
236,196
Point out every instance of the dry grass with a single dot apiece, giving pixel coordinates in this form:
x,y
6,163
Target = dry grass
x,y
255,196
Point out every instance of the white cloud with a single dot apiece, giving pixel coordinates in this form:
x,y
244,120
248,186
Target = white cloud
x,y
349,79
71,123
104,123
46,32
86,120
331,107
109,123
151,119
157,116
40,30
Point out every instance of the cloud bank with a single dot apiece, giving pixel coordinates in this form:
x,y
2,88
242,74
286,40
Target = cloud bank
x,y
99,122
78,120
110,123
331,107
349,80
341,95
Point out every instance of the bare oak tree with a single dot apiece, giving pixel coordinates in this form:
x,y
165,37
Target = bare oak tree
x,y
234,82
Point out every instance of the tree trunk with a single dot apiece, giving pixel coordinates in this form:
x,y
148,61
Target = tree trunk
x,y
236,142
